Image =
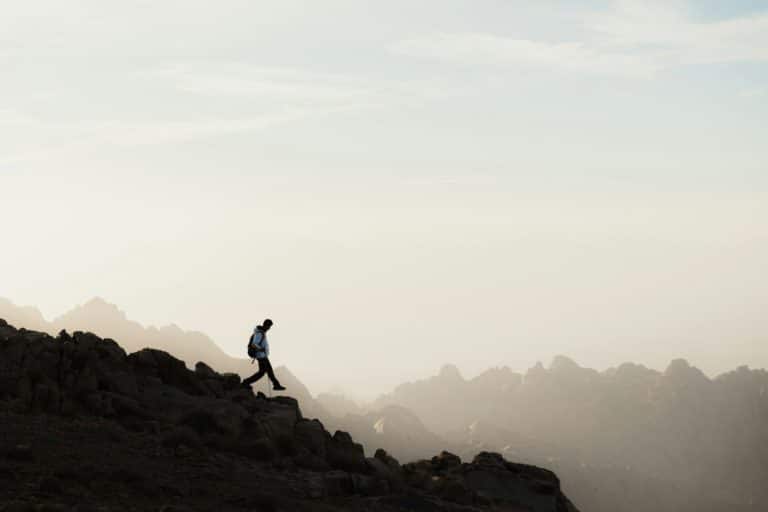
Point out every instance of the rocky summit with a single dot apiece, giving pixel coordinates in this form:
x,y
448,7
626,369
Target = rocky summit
x,y
84,426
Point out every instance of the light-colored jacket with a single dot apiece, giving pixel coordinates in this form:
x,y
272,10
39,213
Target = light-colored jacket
x,y
259,341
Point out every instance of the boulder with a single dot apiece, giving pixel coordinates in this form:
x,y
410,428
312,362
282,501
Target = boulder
x,y
343,453
387,469
311,435
446,461
488,480
205,371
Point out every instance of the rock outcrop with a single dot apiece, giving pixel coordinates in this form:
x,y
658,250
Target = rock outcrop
x,y
108,321
86,426
488,480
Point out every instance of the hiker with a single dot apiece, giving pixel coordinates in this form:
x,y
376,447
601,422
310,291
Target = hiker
x,y
258,348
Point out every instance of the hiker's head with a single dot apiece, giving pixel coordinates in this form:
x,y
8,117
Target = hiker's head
x,y
266,324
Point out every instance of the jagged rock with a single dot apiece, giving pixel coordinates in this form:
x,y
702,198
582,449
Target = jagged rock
x,y
489,459
281,415
170,370
488,480
344,453
446,461
387,459
203,370
311,435
386,469
230,380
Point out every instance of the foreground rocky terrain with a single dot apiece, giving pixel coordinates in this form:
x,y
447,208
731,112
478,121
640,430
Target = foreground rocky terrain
x,y
85,426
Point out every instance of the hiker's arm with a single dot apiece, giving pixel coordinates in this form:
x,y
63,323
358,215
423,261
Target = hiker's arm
x,y
260,343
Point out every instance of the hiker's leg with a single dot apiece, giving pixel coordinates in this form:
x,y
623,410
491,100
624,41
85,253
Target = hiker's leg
x,y
271,373
256,376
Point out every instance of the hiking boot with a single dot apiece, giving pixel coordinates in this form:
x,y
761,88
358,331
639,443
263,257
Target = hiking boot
x,y
279,388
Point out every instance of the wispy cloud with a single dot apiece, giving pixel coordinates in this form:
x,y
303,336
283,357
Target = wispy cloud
x,y
632,38
266,97
501,51
295,86
86,135
753,92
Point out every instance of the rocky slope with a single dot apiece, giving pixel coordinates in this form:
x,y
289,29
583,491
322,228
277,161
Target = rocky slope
x,y
85,426
108,321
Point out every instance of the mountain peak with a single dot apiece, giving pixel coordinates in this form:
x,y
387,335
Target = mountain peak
x,y
26,316
450,371
681,370
96,313
99,303
561,362
95,309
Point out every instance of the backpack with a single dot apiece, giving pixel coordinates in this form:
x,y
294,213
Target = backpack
x,y
252,349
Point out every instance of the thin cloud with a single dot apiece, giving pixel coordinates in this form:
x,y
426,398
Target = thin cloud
x,y
635,39
489,49
273,96
89,134
754,92
295,85
671,37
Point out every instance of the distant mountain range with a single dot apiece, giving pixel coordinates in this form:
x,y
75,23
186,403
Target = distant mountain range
x,y
671,441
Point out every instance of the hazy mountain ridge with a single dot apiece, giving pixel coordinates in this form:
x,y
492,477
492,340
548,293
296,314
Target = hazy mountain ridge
x,y
688,437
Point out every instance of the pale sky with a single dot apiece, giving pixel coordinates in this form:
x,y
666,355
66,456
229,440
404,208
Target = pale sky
x,y
397,184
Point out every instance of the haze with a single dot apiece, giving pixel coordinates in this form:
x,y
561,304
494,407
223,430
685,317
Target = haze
x,y
397,185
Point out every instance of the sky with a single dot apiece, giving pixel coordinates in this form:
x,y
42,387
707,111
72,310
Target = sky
x,y
397,184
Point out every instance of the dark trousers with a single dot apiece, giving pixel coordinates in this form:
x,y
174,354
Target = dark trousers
x,y
265,367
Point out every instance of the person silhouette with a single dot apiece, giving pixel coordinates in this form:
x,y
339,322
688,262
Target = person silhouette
x,y
260,348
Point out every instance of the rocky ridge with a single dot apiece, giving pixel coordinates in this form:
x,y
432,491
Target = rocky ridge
x,y
86,426
108,321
